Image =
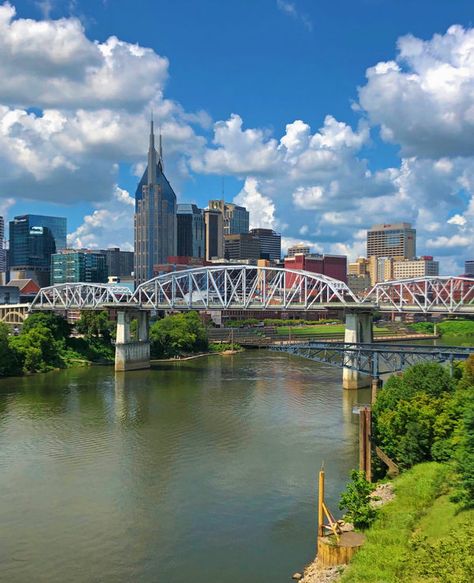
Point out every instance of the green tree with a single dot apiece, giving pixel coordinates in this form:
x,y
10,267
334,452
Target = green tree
x,y
355,500
39,349
58,325
464,455
94,324
416,414
178,334
10,360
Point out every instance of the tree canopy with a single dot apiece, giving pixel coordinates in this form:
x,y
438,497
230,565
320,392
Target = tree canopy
x,y
178,334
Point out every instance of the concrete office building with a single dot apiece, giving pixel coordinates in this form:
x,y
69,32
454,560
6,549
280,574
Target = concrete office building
x,y
155,216
360,266
191,233
469,268
380,269
396,240
242,246
3,253
270,243
236,218
214,232
119,263
421,267
298,249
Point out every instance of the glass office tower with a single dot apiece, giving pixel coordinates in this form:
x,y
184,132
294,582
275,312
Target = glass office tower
x,y
191,231
71,266
155,216
33,239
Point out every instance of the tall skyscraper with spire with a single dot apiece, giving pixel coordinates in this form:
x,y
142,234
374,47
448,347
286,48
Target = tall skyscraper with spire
x,y
155,216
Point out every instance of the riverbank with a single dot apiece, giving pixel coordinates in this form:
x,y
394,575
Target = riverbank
x,y
194,356
419,535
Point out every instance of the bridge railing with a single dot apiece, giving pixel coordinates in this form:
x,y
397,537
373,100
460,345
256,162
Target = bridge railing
x,y
92,296
425,294
242,287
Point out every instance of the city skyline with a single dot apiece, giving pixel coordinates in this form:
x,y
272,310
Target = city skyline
x,y
376,157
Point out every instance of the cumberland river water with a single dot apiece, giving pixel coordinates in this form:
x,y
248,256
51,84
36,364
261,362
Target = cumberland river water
x,y
188,473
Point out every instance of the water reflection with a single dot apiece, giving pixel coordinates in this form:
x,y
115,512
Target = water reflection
x,y
194,471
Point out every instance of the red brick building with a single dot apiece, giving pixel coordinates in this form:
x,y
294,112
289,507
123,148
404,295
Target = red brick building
x,y
334,266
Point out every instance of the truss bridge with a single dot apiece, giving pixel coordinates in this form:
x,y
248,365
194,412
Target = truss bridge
x,y
374,359
251,288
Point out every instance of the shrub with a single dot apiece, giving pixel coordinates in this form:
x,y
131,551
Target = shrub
x,y
356,501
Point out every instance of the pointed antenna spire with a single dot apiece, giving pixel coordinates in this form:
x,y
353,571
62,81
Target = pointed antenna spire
x,y
160,151
152,132
152,155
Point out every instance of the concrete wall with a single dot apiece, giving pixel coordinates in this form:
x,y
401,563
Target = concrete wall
x,y
132,356
358,329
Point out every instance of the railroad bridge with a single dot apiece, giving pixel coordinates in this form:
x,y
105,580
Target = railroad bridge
x,y
251,288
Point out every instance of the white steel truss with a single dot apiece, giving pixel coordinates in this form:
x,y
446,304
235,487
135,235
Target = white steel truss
x,y
425,294
79,296
246,287
243,287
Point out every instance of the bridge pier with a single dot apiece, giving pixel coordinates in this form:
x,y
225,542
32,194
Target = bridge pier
x,y
132,354
358,329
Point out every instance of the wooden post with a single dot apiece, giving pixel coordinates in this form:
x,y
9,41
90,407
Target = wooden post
x,y
367,447
365,453
375,386
320,504
361,441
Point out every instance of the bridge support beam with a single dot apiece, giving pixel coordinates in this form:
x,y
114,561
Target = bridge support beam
x,y
358,329
132,354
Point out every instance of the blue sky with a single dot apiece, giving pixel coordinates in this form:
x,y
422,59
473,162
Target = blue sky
x,y
393,148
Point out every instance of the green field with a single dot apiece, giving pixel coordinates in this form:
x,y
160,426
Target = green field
x,y
333,330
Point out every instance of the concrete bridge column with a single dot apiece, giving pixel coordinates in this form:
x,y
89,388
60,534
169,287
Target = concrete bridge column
x,y
132,355
358,329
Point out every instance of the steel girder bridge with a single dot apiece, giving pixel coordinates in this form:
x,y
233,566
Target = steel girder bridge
x,y
374,359
208,288
443,294
247,287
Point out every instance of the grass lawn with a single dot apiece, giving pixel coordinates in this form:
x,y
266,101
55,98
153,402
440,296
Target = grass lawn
x,y
421,536
319,330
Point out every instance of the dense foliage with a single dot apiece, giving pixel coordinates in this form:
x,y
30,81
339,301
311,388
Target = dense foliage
x,y
355,500
449,559
177,335
45,343
415,415
95,324
424,414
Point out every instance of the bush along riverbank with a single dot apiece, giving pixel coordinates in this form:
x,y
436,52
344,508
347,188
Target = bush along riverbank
x,y
45,343
424,420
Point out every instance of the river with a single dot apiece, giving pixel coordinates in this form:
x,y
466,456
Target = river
x,y
199,471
